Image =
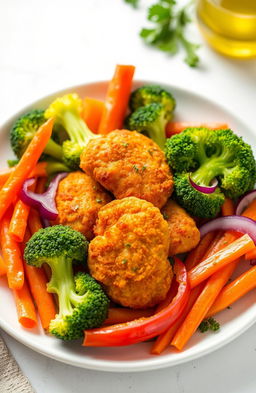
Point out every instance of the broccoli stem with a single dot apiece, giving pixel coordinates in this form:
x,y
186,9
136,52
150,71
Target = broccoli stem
x,y
56,167
53,149
62,283
210,169
77,129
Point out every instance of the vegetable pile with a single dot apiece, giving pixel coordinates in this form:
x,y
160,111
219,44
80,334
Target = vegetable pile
x,y
214,174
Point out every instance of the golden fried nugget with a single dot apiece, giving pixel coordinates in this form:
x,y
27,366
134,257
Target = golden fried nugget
x,y
79,199
184,232
129,164
129,253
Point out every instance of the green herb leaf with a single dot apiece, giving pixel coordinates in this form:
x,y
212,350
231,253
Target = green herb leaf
x,y
209,324
133,3
168,32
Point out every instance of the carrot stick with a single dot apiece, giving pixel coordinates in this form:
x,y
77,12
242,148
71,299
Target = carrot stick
x,y
19,219
41,184
25,166
251,255
233,291
176,127
34,221
165,338
92,113
220,259
117,99
2,267
11,255
195,256
44,300
202,305
228,208
25,307
121,315
250,211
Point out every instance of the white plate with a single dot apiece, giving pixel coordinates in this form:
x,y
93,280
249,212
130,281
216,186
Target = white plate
x,y
234,321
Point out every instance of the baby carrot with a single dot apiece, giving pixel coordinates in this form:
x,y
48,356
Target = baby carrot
x,y
233,291
176,127
92,113
19,219
25,307
26,164
220,259
117,99
195,256
11,255
228,208
34,221
251,255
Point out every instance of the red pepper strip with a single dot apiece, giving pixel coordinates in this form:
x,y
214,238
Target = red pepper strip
x,y
144,328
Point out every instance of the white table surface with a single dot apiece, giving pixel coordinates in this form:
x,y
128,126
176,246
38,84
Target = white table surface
x,y
52,44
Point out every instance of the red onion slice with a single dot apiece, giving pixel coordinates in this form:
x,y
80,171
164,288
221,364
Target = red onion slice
x,y
234,223
44,203
204,189
245,201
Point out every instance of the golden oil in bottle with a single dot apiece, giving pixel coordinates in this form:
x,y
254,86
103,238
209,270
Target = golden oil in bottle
x,y
229,26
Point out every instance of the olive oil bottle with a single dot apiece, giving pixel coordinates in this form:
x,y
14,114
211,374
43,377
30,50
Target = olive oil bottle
x,y
229,26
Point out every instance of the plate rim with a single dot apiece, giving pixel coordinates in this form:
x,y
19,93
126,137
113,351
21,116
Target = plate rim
x,y
134,365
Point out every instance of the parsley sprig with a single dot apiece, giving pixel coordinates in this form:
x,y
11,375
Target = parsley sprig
x,y
168,32
209,324
133,3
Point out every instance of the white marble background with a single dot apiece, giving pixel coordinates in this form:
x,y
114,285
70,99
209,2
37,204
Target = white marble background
x,y
51,44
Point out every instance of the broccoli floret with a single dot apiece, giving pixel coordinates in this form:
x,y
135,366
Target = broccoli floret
x,y
82,302
66,112
150,120
210,154
195,202
209,324
23,131
149,94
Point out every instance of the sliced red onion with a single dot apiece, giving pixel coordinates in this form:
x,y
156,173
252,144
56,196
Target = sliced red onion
x,y
234,223
44,203
204,189
245,201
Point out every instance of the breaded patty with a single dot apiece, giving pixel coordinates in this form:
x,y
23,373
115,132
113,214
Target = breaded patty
x,y
184,232
79,199
129,253
129,164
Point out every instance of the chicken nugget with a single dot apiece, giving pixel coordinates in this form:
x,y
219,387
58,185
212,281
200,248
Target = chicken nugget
x,y
129,253
184,234
129,164
78,200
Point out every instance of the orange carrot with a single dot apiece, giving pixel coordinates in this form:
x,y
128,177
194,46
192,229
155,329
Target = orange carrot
x,y
251,255
121,315
11,255
195,256
165,338
250,211
176,127
19,219
2,267
34,221
92,113
117,99
25,307
228,208
44,300
233,291
203,303
41,184
220,259
25,166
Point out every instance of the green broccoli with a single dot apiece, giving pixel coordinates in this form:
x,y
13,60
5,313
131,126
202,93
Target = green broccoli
x,y
66,112
23,131
150,120
203,155
82,302
209,324
150,94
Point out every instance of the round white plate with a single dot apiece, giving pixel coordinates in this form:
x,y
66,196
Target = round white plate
x,y
234,321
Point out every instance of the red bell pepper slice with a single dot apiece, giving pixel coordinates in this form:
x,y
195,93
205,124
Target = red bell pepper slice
x,y
144,328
